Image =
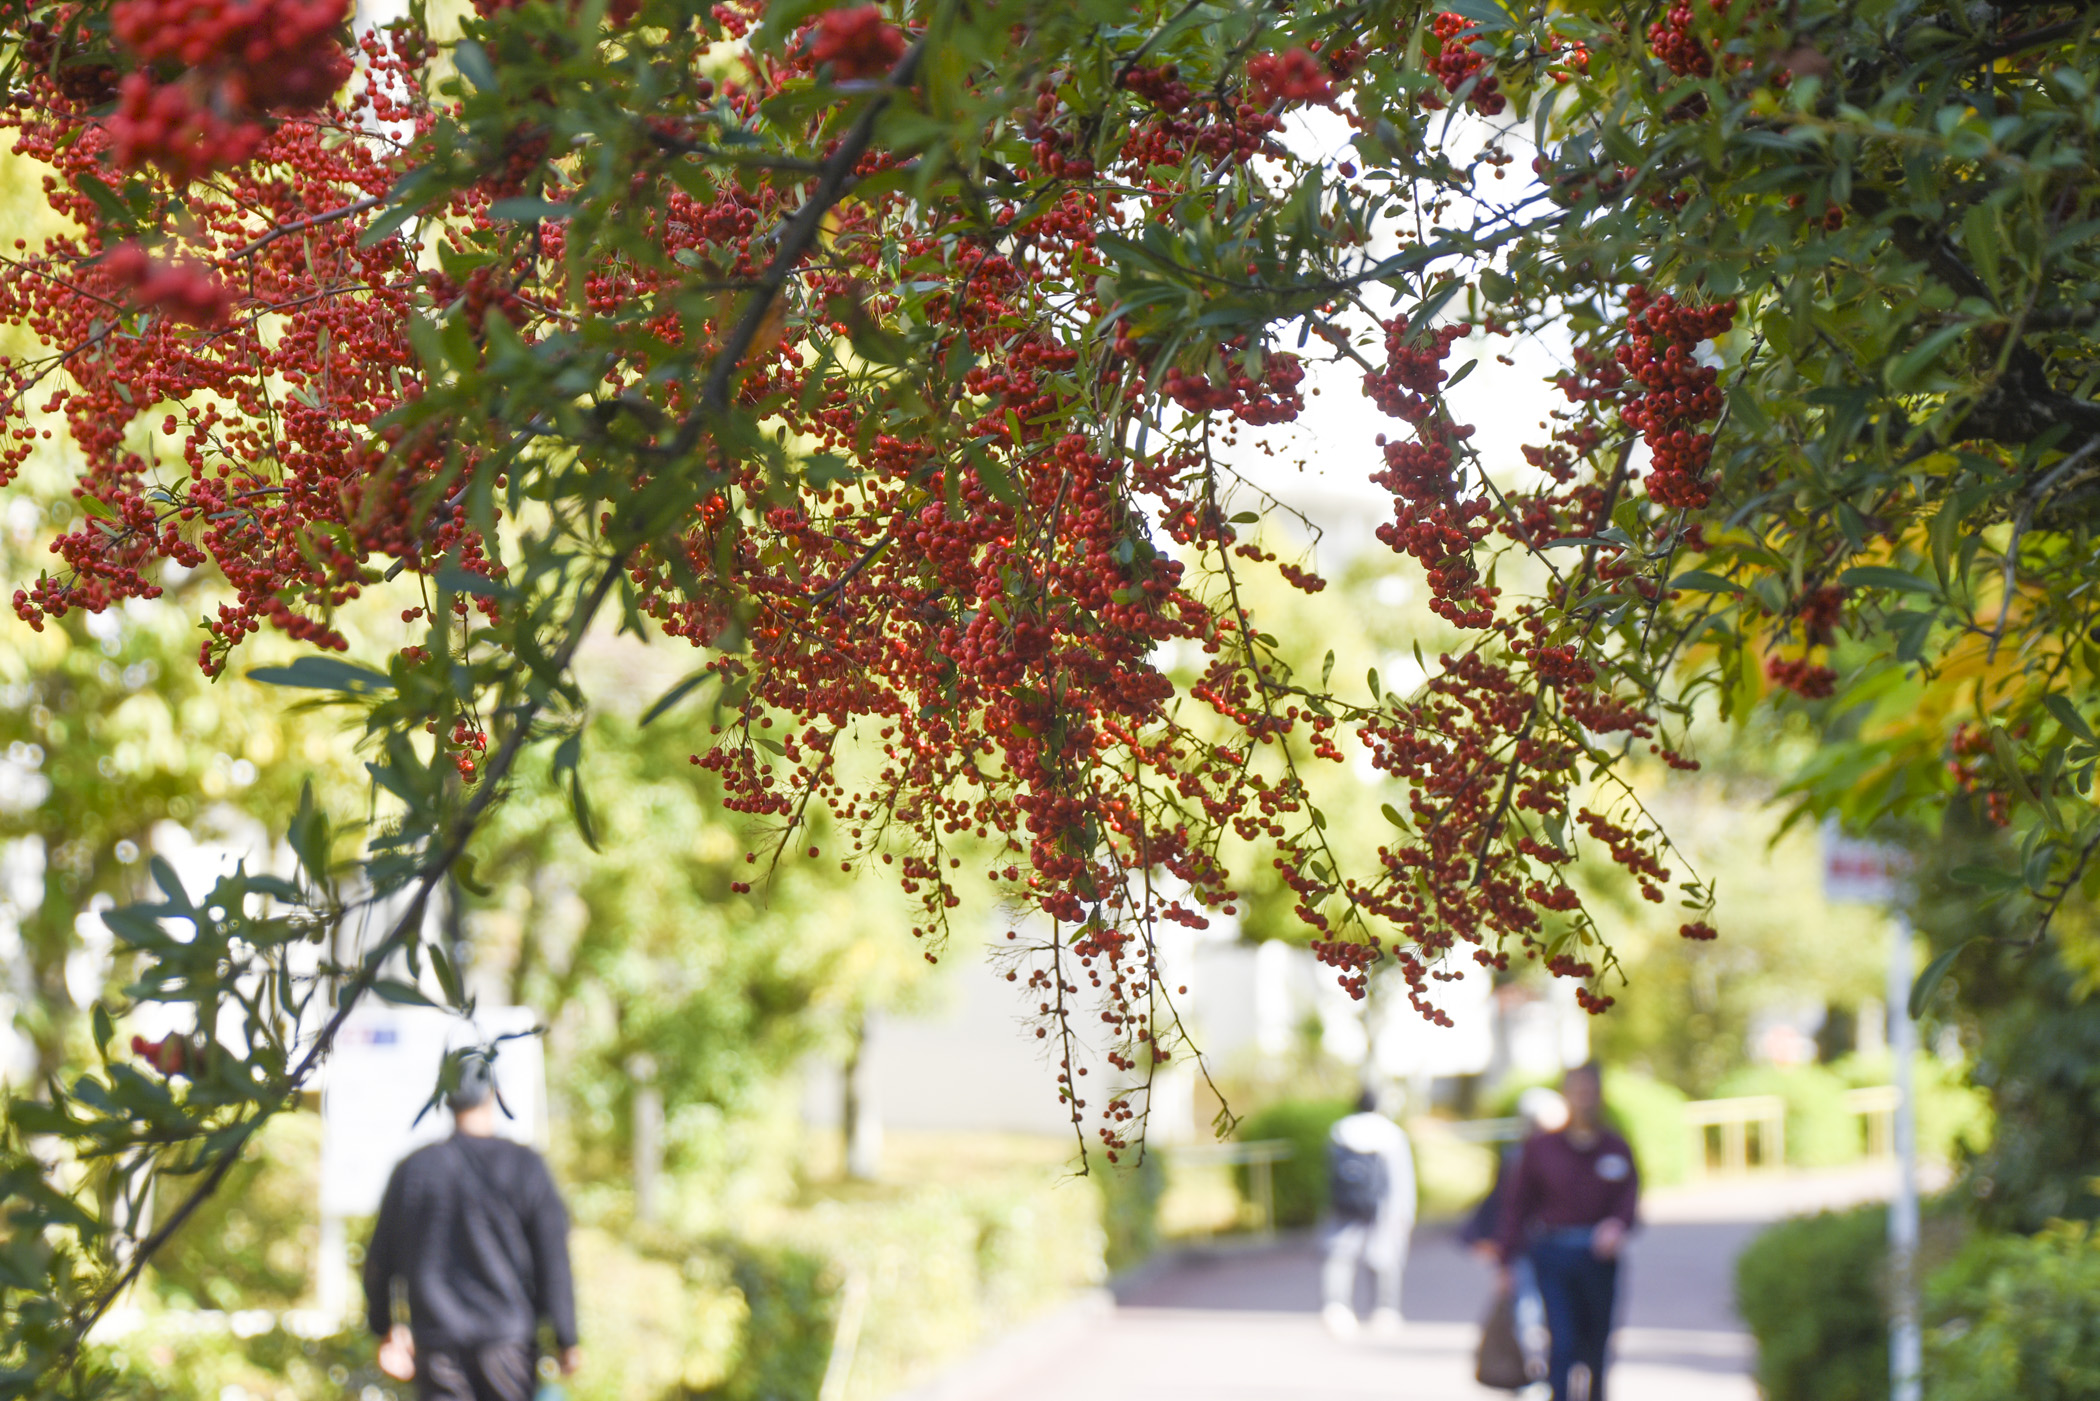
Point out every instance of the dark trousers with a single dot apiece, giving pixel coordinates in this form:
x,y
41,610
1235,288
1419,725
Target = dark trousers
x,y
1578,1290
487,1372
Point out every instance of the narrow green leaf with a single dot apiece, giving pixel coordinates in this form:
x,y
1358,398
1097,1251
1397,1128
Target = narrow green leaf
x,y
1935,972
324,674
1881,576
2061,707
1701,581
1907,370
678,693
400,994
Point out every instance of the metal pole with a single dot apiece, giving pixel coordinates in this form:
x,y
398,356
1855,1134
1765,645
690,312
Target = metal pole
x,y
1905,1348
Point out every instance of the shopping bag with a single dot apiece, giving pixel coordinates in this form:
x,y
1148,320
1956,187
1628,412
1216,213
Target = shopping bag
x,y
1500,1363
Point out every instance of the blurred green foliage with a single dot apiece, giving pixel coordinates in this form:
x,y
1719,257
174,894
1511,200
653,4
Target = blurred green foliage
x,y
251,1245
192,1357
2029,1023
2017,1316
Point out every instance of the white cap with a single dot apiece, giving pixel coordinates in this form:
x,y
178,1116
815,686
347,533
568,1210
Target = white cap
x,y
1544,1109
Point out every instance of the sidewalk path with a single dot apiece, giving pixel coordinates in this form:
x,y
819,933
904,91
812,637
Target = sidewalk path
x,y
1242,1324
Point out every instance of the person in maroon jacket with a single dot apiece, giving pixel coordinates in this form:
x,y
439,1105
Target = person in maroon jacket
x,y
1569,1208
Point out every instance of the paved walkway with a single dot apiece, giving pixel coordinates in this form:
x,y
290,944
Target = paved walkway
x,y
1242,1324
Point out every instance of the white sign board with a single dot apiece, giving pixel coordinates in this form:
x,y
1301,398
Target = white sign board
x,y
1860,872
382,1072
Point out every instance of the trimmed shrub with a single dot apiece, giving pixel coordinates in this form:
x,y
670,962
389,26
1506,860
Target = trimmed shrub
x,y
2017,1316
1300,1179
1814,1293
1821,1130
1811,1292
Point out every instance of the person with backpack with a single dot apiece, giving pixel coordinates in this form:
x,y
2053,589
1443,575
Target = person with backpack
x,y
1371,1196
473,1227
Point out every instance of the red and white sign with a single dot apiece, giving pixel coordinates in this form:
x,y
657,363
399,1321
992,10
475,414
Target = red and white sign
x,y
1861,872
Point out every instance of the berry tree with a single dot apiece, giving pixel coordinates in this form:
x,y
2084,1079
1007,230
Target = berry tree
x,y
885,355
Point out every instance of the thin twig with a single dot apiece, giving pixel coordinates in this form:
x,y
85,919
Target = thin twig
x,y
302,225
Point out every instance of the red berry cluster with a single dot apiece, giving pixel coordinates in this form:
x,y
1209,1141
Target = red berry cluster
x,y
172,1055
1971,757
244,60
857,42
1291,77
1677,393
177,128
1160,86
1271,398
1819,611
1455,63
270,54
1673,40
1437,523
1803,677
185,292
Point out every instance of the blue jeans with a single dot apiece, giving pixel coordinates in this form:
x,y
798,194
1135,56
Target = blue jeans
x,y
1579,1291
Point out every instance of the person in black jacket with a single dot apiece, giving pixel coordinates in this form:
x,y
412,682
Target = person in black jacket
x,y
474,1228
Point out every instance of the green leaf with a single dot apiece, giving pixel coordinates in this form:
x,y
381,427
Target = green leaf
x,y
529,209
325,674
1929,981
400,994
1905,372
388,223
1946,524
2061,707
448,976
113,209
1881,576
679,692
1986,877
1490,16
473,64
1701,581
480,585
1427,311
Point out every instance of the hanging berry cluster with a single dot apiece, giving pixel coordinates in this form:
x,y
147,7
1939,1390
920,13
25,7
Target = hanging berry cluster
x,y
1678,392
939,619
1456,64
